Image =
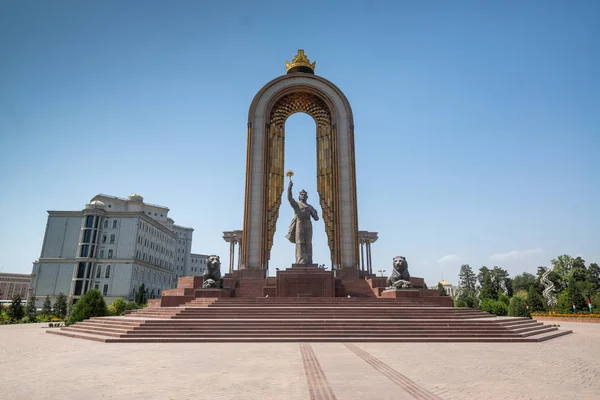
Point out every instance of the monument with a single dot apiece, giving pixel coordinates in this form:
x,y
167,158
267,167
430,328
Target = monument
x,y
300,90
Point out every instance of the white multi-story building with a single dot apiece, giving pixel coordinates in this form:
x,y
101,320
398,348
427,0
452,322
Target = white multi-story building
x,y
114,245
197,264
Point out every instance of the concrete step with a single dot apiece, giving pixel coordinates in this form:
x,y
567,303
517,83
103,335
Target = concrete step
x,y
312,340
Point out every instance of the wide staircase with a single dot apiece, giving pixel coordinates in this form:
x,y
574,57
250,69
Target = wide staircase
x,y
354,319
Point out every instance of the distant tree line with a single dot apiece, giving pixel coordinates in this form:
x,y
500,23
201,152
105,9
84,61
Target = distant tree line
x,y
492,289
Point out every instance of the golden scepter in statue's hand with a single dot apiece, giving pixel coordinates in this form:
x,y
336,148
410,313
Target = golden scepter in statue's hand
x,y
289,174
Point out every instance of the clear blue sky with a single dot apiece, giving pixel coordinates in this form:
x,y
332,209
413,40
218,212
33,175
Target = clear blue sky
x,y
477,123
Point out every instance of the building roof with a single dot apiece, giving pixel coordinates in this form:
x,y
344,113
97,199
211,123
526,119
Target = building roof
x,y
444,283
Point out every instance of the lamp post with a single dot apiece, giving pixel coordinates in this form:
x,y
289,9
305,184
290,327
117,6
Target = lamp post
x,y
381,271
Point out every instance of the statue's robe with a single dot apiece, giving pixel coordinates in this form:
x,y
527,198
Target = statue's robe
x,y
300,231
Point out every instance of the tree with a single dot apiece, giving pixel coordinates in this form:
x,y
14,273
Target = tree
x,y
30,309
523,281
47,307
574,294
593,276
562,266
483,273
535,300
442,289
60,306
500,278
90,305
467,278
141,296
15,309
488,290
467,282
578,270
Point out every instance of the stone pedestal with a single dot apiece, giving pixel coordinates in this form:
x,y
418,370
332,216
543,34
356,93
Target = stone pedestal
x,y
400,293
211,293
302,281
349,273
251,273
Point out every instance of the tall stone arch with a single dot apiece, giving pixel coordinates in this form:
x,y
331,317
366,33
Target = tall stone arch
x,y
300,91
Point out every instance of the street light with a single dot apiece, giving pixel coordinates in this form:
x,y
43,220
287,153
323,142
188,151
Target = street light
x,y
381,271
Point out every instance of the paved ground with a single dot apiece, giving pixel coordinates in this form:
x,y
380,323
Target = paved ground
x,y
35,365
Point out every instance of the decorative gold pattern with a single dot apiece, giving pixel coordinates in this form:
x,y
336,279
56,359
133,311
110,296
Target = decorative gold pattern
x,y
326,179
300,60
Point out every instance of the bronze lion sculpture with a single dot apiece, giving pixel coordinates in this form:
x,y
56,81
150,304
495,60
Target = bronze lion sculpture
x,y
212,275
400,278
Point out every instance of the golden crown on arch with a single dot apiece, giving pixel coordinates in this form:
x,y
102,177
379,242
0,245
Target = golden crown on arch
x,y
300,62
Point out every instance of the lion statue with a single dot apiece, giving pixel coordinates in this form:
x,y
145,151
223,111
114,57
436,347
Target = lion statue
x,y
400,278
212,275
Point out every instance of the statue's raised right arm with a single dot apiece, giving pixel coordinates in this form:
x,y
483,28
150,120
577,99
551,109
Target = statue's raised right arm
x,y
290,196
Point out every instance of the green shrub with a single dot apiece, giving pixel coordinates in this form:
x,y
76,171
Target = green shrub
x,y
117,307
90,305
30,310
464,299
596,302
47,307
535,300
494,307
59,309
4,319
15,310
502,297
518,307
43,318
132,305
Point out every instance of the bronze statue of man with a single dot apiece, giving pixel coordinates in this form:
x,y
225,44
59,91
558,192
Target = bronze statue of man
x,y
300,231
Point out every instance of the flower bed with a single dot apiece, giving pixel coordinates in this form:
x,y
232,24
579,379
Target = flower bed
x,y
579,317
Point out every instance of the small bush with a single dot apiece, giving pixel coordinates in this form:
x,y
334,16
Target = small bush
x,y
518,308
502,297
117,307
494,307
90,305
43,318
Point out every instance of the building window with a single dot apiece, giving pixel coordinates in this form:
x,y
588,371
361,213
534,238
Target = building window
x,y
103,238
106,223
110,253
84,250
107,274
96,286
99,272
89,221
105,290
112,238
114,224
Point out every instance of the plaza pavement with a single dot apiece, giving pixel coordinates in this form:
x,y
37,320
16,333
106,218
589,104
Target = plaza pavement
x,y
35,365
